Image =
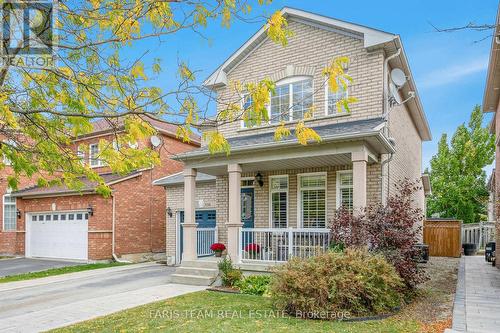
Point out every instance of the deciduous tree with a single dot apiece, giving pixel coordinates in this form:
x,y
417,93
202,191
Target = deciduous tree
x,y
99,74
457,173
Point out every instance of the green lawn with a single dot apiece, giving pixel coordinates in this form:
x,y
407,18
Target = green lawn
x,y
57,271
198,312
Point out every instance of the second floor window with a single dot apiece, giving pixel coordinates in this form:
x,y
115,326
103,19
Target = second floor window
x,y
333,98
80,154
293,99
94,156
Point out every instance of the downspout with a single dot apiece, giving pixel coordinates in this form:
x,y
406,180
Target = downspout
x,y
385,114
113,222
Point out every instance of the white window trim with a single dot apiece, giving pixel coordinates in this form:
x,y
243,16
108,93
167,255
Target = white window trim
x,y
286,81
242,103
3,212
339,173
271,199
299,197
99,162
327,97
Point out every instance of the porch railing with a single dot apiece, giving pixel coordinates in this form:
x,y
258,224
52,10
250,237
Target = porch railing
x,y
282,244
478,233
205,238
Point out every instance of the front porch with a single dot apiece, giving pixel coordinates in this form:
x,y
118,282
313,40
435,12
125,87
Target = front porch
x,y
268,213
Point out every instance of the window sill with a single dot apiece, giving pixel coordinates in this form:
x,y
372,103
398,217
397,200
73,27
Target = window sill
x,y
293,122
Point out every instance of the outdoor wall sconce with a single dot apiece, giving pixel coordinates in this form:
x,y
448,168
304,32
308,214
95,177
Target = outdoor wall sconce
x,y
259,180
169,212
18,213
90,210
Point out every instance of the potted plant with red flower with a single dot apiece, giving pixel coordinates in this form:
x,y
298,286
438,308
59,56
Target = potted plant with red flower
x,y
217,248
252,249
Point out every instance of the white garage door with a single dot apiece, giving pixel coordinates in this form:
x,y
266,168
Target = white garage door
x,y
61,235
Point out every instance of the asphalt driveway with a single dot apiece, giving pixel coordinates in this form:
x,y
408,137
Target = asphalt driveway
x,y
26,265
43,304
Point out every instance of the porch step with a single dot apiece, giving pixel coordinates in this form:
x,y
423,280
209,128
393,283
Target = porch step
x,y
193,280
209,263
202,272
198,271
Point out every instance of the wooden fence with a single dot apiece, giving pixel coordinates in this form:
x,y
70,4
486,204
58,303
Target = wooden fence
x,y
443,237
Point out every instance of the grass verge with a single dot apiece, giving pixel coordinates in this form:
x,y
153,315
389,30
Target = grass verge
x,y
208,311
57,271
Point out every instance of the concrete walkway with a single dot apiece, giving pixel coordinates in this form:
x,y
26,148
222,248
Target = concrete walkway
x,y
44,304
477,301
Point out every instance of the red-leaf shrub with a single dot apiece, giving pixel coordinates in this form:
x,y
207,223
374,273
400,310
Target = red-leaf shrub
x,y
252,248
217,247
392,230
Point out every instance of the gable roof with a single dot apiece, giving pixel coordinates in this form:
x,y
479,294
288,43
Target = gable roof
x,y
103,126
372,39
59,190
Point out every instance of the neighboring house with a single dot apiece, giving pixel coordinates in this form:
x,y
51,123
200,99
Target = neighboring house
x,y
57,222
491,103
277,197
492,199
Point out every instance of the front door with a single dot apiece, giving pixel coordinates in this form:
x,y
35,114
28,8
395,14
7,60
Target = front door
x,y
247,207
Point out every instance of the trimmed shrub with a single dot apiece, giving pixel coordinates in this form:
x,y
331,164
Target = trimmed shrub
x,y
255,284
230,276
355,281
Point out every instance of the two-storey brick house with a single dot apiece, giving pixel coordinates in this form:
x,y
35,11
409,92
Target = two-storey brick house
x,y
276,197
58,222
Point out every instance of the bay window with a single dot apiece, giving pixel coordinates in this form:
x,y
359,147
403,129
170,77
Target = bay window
x,y
278,188
312,198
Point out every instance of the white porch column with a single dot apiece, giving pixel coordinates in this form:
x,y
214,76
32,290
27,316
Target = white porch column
x,y
359,161
189,226
234,218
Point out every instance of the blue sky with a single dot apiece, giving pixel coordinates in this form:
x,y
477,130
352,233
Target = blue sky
x,y
449,68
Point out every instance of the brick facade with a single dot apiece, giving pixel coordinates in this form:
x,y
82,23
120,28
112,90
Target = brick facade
x,y
139,209
309,51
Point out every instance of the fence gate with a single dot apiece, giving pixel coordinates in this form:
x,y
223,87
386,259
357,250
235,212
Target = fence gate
x,y
443,237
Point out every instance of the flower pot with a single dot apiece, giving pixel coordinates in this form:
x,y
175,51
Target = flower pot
x,y
218,253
